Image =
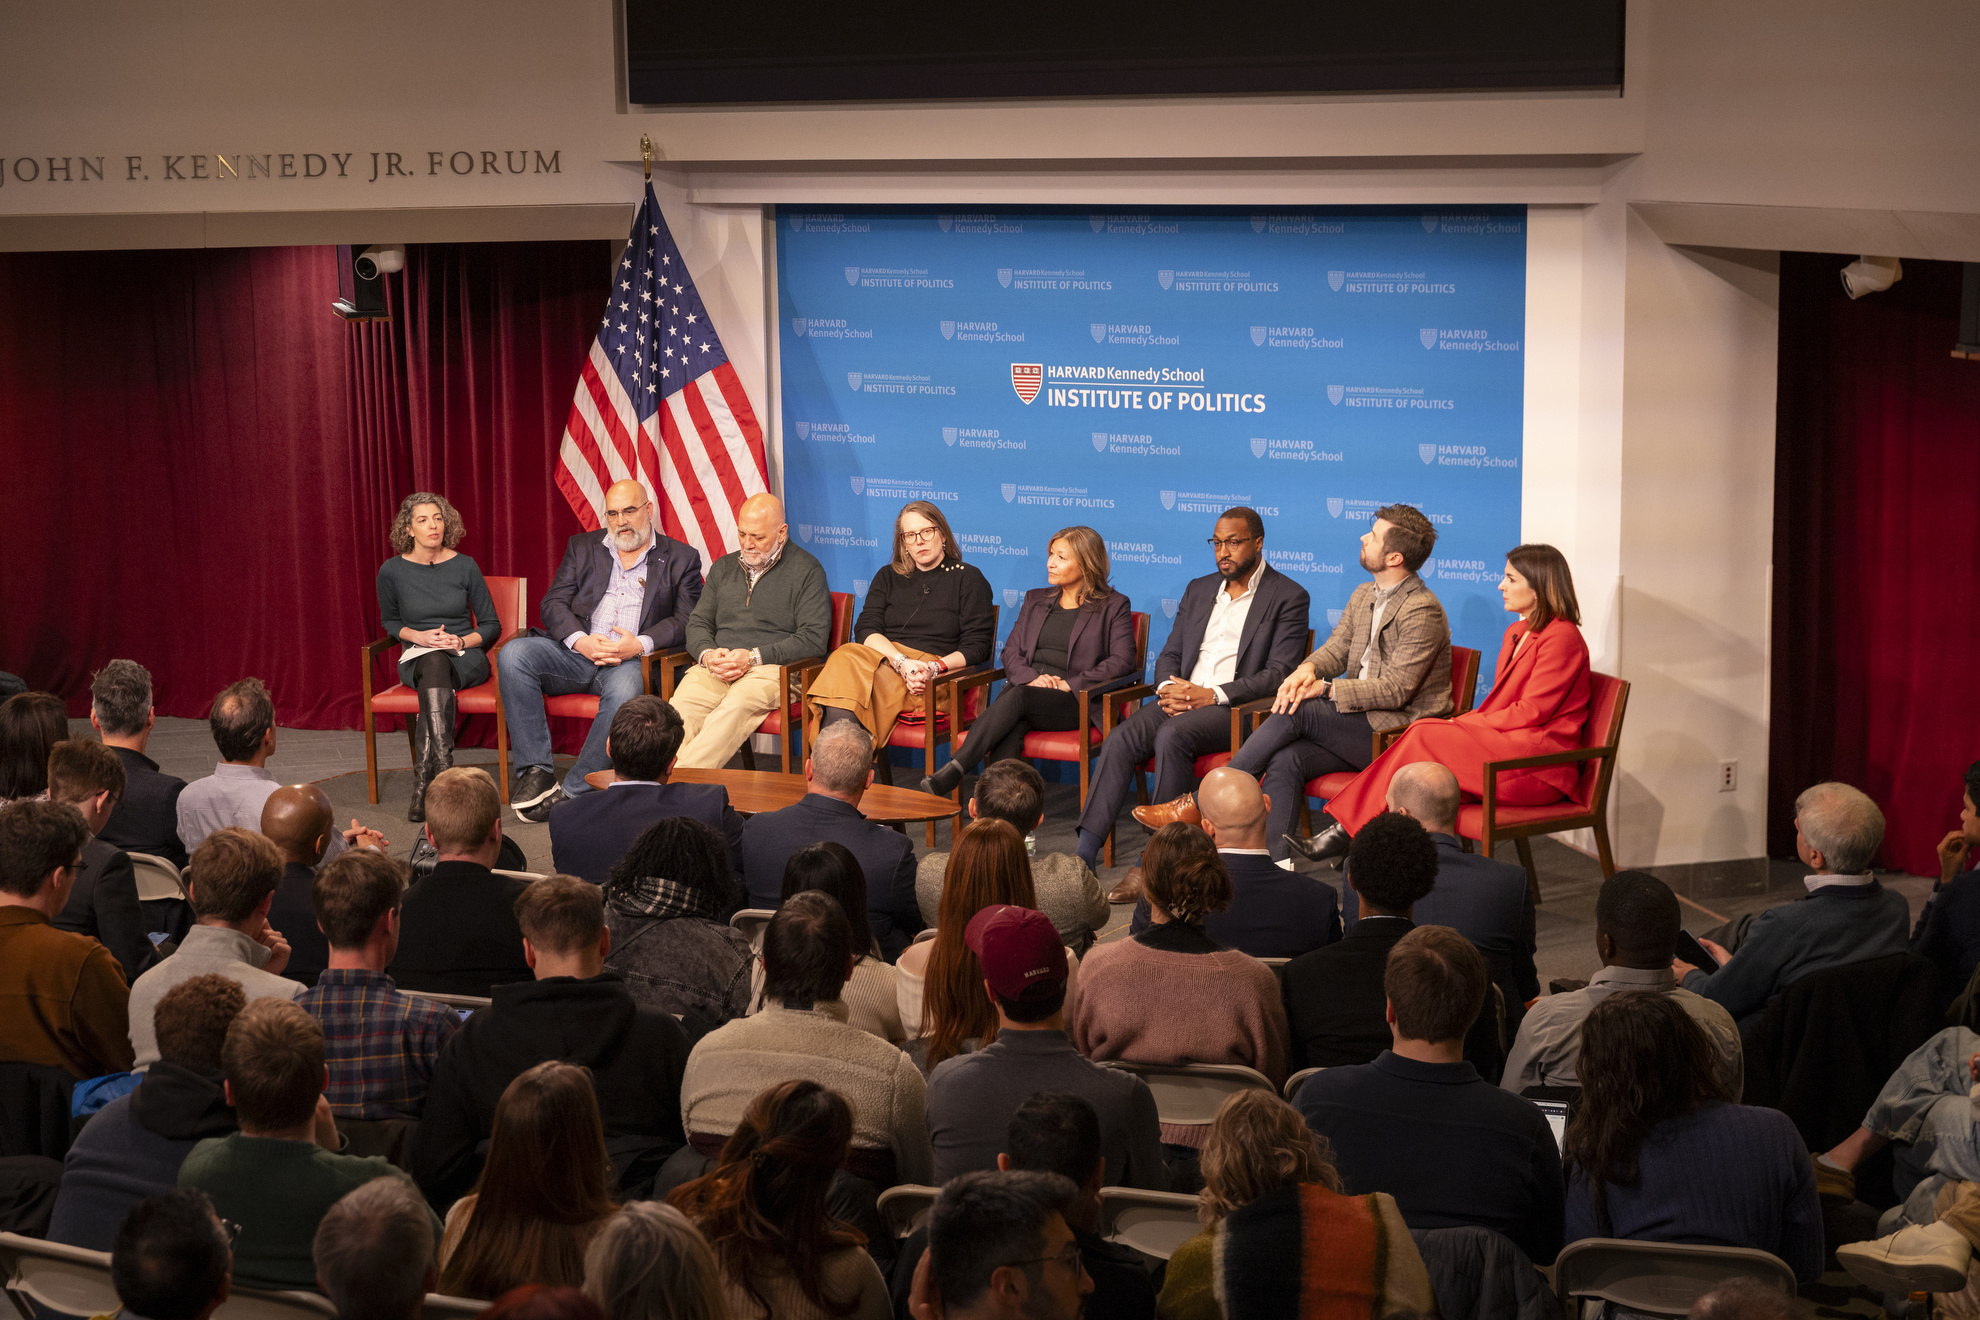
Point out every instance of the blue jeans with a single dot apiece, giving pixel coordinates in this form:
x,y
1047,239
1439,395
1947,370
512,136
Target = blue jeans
x,y
537,667
1925,1111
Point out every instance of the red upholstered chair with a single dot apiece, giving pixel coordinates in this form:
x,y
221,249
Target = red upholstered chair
x,y
1077,745
792,679
584,705
511,607
1464,693
932,729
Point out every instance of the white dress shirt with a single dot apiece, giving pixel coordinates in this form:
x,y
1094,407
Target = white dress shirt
x,y
1216,659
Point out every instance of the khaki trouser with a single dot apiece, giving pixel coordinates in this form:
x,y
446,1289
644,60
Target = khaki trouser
x,y
1958,1204
717,716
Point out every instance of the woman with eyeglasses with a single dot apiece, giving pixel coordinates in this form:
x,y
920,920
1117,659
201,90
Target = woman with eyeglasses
x,y
1073,635
926,613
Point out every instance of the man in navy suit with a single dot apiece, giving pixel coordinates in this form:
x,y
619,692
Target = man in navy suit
x,y
1238,633
836,773
589,834
1486,901
619,594
1273,913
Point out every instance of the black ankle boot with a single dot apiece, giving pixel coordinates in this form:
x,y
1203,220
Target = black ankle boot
x,y
944,781
433,744
1330,843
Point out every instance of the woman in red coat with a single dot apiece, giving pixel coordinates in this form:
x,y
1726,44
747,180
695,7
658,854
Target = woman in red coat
x,y
1538,704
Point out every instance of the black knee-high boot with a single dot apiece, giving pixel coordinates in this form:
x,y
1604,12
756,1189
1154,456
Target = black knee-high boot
x,y
433,738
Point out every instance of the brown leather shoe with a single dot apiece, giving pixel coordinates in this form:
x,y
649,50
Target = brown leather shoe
x,y
1129,889
1164,813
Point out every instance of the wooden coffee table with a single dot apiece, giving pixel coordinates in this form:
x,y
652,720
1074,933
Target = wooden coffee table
x,y
751,791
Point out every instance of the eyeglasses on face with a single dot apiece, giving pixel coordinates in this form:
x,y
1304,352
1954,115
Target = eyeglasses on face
x,y
922,534
1230,543
1069,1257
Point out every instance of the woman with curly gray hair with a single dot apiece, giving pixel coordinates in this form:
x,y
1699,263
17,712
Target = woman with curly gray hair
x,y
433,598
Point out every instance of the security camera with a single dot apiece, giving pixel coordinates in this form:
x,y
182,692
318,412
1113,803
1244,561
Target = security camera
x,y
1871,275
384,258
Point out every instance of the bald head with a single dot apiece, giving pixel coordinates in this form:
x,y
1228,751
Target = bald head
x,y
1427,792
296,819
1234,807
628,515
760,529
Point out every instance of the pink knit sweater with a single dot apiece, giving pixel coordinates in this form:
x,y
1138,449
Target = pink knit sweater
x,y
1148,1005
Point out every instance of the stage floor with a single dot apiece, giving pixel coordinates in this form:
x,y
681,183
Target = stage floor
x,y
1568,879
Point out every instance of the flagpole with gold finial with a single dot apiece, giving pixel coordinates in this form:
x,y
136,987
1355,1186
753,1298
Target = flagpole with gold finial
x,y
646,155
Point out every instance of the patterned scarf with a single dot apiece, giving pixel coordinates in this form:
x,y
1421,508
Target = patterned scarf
x,y
657,897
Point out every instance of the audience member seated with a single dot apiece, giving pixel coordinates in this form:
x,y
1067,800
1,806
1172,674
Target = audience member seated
x,y
1948,930
1749,1299
1054,1132
590,832
1068,890
1489,902
67,1003
374,1253
132,1148
649,1263
170,1259
1636,928
1280,1235
576,1011
382,1044
836,774
764,1209
1172,994
1001,1246
971,1097
231,883
103,904
243,723
1274,913
31,723
542,1193
458,933
146,819
1334,997
940,982
1660,1151
1419,1122
1846,916
872,994
802,1032
296,818
280,1173
664,905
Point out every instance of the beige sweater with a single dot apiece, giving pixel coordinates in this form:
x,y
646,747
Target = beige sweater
x,y
739,1060
847,1273
871,998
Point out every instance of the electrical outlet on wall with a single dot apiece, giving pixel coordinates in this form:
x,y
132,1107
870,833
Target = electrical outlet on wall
x,y
1728,776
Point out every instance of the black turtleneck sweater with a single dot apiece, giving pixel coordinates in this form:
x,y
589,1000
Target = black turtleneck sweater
x,y
947,608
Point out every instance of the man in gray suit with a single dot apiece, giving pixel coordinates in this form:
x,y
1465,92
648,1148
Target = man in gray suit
x,y
1388,662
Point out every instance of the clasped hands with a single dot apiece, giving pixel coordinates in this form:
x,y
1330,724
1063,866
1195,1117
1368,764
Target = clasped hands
x,y
440,640
915,673
1050,681
605,651
726,663
1300,684
1181,695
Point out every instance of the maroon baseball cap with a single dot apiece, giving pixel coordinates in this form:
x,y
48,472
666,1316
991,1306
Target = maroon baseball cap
x,y
1019,948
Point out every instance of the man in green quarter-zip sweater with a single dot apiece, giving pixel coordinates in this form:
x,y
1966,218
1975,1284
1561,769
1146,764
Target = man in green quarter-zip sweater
x,y
763,606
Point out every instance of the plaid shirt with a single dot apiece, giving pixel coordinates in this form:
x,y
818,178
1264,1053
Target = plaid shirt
x,y
381,1043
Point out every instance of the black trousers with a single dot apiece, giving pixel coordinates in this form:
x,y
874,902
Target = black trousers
x,y
1286,751
998,734
1174,741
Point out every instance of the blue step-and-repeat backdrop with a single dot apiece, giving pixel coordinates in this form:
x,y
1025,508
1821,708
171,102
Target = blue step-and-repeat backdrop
x,y
1031,369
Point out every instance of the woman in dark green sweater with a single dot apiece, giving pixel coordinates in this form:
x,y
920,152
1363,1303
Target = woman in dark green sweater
x,y
434,599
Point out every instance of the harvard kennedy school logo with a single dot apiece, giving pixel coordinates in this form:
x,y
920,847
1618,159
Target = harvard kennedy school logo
x,y
1004,276
1258,449
949,436
1428,453
859,485
948,329
1168,499
1334,506
1013,597
1258,335
1165,277
1335,394
1010,491
804,429
804,533
1169,606
852,276
1099,442
1334,279
1429,338
1098,329
797,326
1026,377
853,379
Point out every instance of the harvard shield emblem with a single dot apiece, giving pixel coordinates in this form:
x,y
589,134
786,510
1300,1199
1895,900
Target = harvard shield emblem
x,y
1169,607
803,429
859,485
1258,335
1099,442
1168,499
804,533
1334,506
1334,279
1429,338
797,326
853,379
1165,278
949,436
1009,490
948,329
1098,330
1258,449
1004,276
852,275
1334,393
1428,453
1026,377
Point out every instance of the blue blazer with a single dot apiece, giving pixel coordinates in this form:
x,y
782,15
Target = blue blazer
x,y
886,856
1274,913
673,585
1487,902
592,831
1270,647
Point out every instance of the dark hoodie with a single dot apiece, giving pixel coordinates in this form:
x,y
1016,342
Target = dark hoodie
x,y
132,1149
635,1054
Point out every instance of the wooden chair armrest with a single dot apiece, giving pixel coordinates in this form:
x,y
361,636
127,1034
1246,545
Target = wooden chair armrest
x,y
1113,704
1245,716
668,663
1493,768
968,679
370,650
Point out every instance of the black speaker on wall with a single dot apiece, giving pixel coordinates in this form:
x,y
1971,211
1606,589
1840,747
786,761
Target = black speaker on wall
x,y
360,284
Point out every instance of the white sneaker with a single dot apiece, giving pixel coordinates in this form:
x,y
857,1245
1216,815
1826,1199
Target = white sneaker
x,y
1922,1258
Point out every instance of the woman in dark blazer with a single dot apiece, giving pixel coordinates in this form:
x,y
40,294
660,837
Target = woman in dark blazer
x,y
1071,636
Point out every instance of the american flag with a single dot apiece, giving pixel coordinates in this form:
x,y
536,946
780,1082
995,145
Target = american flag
x,y
658,401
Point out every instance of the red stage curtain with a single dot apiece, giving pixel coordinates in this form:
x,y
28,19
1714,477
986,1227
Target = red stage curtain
x,y
202,461
1876,598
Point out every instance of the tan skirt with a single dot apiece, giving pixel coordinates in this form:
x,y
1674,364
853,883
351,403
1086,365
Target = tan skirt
x,y
859,679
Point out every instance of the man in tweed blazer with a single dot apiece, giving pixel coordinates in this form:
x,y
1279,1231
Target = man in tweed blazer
x,y
1387,662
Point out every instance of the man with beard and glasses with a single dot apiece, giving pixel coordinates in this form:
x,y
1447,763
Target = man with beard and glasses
x,y
1239,631
1388,662
616,597
765,605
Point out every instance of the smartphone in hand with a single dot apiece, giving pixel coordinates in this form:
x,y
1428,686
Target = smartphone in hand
x,y
1691,951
